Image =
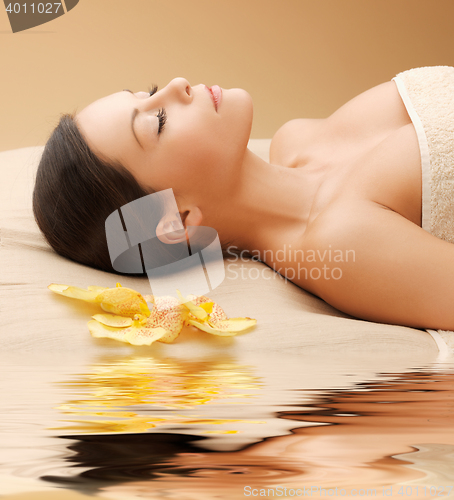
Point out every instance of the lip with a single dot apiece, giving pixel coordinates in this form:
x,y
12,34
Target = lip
x,y
216,95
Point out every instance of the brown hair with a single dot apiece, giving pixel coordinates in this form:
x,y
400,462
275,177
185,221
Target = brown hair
x,y
74,193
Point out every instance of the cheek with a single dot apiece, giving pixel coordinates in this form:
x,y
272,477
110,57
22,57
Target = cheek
x,y
197,146
179,169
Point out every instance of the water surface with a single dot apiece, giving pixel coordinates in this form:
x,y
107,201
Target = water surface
x,y
138,426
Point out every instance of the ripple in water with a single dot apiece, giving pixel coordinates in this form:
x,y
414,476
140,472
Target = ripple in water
x,y
365,436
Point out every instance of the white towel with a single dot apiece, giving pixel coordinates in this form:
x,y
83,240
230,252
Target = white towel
x,y
428,95
445,342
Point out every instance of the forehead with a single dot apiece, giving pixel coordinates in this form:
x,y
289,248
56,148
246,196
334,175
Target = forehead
x,y
104,124
109,105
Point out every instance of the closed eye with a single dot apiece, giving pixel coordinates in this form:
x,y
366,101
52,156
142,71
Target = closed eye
x,y
162,118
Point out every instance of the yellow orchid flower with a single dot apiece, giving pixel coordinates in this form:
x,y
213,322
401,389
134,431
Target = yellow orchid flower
x,y
120,300
215,320
131,320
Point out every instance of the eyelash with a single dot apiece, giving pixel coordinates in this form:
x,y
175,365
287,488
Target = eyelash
x,y
162,115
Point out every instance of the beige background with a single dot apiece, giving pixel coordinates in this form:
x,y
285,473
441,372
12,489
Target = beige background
x,y
297,58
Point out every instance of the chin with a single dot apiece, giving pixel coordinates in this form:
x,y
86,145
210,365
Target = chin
x,y
244,101
243,95
238,111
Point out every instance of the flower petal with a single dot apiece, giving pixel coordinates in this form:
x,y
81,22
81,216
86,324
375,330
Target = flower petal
x,y
216,314
123,302
233,324
224,328
209,329
99,289
218,323
207,306
169,314
99,330
135,334
75,292
149,298
198,312
112,320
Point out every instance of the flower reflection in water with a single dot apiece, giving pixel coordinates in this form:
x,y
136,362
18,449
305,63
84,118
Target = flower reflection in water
x,y
136,394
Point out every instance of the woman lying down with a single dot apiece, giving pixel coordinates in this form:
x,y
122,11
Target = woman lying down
x,y
368,192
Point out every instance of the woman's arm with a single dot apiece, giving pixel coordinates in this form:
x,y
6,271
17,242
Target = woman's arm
x,y
394,272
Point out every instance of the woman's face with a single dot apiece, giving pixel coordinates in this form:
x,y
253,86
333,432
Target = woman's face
x,y
181,137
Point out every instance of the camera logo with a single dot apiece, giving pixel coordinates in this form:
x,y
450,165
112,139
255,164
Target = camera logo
x,y
28,14
147,236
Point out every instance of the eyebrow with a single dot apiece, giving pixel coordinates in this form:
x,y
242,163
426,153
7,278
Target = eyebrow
x,y
133,117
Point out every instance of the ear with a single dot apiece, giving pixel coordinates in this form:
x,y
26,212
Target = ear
x,y
173,228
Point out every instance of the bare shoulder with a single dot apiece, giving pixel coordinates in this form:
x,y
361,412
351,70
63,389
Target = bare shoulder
x,y
291,139
387,269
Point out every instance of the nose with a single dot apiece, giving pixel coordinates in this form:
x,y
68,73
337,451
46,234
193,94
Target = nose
x,y
178,88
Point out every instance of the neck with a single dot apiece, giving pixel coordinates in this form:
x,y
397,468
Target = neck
x,y
264,208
